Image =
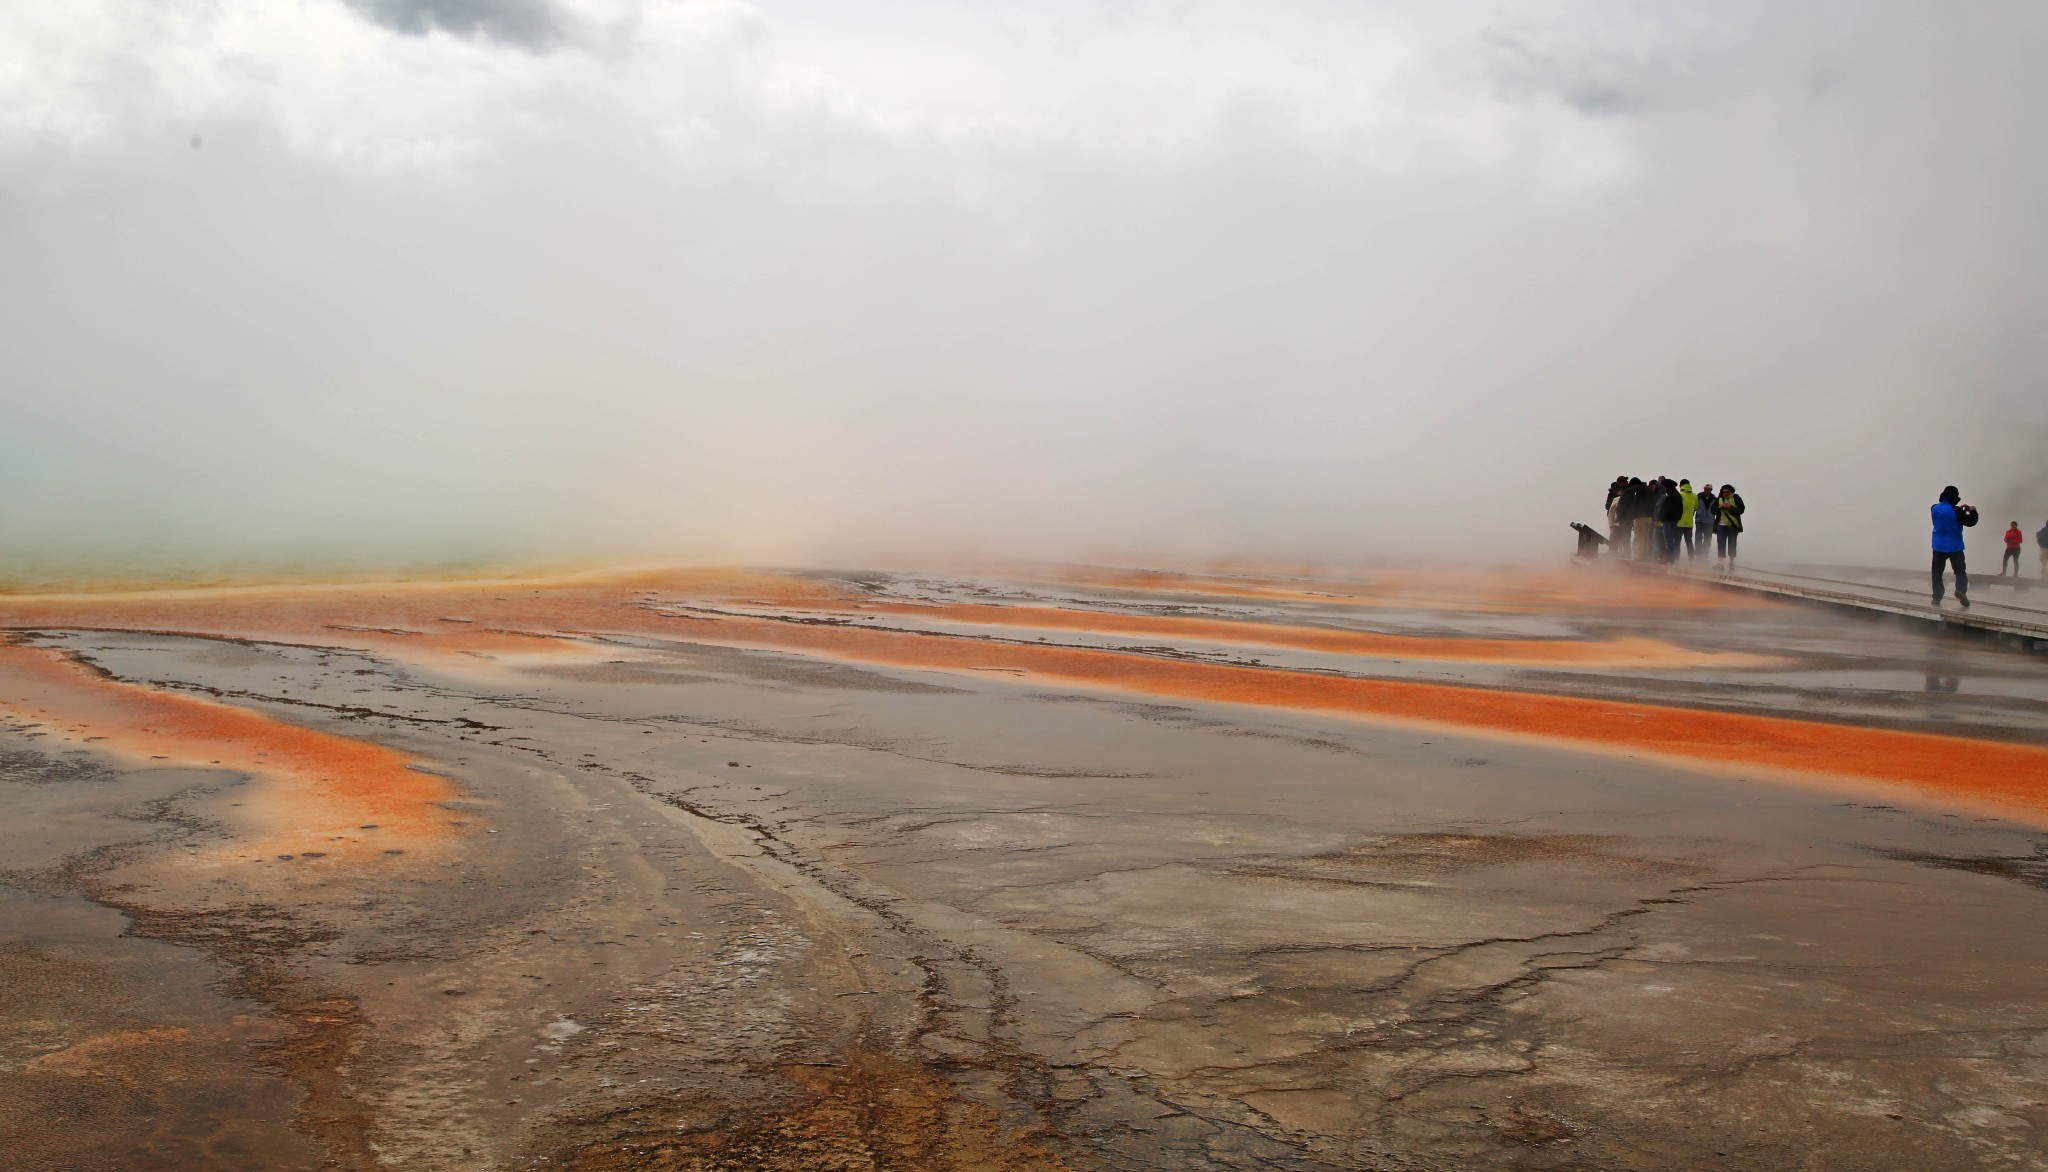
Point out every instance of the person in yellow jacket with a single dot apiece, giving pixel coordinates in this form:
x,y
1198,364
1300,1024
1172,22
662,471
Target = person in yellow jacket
x,y
1690,503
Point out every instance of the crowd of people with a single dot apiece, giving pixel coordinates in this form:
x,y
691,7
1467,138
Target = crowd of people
x,y
1658,519
1661,520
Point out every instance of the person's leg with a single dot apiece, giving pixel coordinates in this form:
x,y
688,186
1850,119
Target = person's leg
x,y
1962,578
1940,559
1733,536
1685,539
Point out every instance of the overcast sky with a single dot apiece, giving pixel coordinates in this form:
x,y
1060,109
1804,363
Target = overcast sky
x,y
799,279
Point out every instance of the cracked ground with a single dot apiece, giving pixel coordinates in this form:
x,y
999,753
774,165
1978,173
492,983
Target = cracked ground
x,y
675,873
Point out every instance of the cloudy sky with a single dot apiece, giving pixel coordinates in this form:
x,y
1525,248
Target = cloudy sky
x,y
799,279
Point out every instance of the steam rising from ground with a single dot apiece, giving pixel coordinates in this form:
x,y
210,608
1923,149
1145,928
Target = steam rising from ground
x,y
439,281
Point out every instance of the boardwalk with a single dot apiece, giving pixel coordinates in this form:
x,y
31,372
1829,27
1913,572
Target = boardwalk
x,y
2013,607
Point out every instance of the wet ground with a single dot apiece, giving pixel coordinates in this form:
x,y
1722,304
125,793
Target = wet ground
x,y
1394,869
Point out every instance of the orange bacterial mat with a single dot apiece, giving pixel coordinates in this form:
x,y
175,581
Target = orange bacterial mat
x,y
457,619
1633,652
313,791
1965,768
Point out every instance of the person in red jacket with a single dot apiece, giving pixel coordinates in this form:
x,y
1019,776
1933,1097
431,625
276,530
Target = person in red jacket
x,y
2013,540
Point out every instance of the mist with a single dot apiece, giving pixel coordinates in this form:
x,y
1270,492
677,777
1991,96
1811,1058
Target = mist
x,y
420,283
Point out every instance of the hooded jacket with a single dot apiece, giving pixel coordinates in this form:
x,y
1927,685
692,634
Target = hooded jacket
x,y
1667,505
1635,501
1949,518
1689,501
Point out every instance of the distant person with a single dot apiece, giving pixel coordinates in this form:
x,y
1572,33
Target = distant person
x,y
1626,508
1951,516
1703,522
1688,507
2041,539
1670,511
1616,527
2014,539
1728,509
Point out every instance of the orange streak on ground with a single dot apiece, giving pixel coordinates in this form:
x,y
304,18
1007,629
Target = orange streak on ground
x,y
441,623
313,790
1545,652
1617,588
1957,767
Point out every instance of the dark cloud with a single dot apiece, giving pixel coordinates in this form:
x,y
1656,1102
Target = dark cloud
x,y
529,24
1597,80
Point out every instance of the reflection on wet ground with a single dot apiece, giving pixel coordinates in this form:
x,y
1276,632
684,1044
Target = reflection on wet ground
x,y
1030,867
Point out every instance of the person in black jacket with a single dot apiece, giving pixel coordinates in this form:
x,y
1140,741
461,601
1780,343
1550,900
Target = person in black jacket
x,y
1728,509
1635,513
1670,507
1615,526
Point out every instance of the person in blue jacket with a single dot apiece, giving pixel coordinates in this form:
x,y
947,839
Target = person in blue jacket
x,y
1951,517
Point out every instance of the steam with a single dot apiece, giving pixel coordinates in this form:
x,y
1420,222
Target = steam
x,y
441,282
